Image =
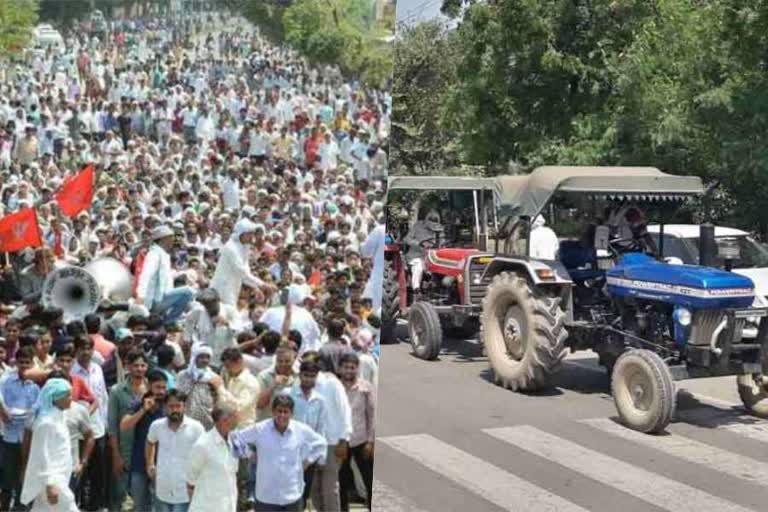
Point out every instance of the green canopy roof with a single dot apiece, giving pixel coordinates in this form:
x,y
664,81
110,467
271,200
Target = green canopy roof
x,y
528,195
440,183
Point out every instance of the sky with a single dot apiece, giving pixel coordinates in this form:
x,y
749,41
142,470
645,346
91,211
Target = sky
x,y
414,11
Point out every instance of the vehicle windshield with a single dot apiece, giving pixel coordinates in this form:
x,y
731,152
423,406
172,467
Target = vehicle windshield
x,y
752,253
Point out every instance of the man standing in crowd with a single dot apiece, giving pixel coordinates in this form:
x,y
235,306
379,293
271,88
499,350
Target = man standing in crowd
x,y
170,441
233,269
149,409
242,392
46,480
156,290
212,468
362,401
19,395
284,450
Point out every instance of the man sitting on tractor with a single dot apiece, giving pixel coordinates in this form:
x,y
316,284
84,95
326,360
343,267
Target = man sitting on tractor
x,y
424,234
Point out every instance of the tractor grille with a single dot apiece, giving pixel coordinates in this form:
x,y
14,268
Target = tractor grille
x,y
477,291
704,325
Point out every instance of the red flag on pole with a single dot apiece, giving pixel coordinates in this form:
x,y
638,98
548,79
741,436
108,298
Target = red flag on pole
x,y
19,231
76,193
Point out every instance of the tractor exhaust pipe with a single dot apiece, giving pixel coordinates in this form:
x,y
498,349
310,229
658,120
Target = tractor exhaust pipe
x,y
707,245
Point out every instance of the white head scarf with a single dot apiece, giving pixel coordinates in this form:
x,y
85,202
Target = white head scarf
x,y
199,374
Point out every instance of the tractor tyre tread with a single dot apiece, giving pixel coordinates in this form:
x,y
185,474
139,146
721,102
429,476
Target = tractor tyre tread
x,y
545,348
663,383
390,304
431,340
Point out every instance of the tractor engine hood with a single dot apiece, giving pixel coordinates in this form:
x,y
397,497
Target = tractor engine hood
x,y
639,275
448,262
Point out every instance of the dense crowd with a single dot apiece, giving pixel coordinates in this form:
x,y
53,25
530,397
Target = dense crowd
x,y
241,191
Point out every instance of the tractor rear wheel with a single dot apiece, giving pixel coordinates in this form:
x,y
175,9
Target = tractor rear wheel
x,y
643,391
523,333
425,330
390,304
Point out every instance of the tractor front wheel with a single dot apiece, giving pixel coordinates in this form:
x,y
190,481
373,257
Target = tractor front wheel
x,y
390,304
523,333
425,330
643,391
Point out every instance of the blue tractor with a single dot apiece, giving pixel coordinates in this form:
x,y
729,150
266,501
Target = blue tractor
x,y
651,319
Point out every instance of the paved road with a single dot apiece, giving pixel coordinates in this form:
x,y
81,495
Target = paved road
x,y
450,440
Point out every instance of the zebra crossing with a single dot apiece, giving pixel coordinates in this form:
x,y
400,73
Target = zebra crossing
x,y
599,463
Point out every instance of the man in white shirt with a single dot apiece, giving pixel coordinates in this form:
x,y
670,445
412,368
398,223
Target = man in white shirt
x,y
284,449
155,289
301,319
170,441
46,480
338,432
544,242
90,372
211,323
233,268
212,468
230,189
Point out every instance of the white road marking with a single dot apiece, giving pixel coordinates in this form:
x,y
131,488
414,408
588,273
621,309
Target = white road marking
x,y
491,482
682,447
386,498
655,489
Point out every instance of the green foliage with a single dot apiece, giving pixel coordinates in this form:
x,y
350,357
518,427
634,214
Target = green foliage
x,y
426,59
17,19
677,84
340,32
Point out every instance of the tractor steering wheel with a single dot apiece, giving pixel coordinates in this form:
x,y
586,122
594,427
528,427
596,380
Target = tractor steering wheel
x,y
621,246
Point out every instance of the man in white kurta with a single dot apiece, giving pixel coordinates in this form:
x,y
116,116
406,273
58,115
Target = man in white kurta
x,y
46,480
373,247
233,268
212,468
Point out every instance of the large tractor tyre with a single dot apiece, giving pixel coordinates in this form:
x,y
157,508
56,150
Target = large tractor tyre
x,y
523,333
390,304
425,331
753,394
643,391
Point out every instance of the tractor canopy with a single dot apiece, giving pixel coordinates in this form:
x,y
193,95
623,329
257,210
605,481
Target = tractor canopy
x,y
440,183
528,195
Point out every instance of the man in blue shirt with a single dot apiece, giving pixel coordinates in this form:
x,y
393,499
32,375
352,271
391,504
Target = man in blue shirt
x,y
18,396
145,412
309,408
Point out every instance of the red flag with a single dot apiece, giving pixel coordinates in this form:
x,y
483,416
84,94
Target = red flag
x,y
76,193
19,231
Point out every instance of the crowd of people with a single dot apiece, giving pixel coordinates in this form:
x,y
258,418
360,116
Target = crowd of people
x,y
241,190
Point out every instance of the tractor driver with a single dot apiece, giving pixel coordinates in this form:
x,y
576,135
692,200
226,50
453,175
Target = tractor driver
x,y
634,229
423,235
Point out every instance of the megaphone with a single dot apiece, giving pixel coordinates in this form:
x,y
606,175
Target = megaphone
x,y
78,291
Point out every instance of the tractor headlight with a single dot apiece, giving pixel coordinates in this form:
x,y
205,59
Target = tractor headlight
x,y
683,316
477,278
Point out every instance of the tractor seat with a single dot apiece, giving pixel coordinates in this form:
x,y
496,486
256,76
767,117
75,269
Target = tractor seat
x,y
574,255
575,258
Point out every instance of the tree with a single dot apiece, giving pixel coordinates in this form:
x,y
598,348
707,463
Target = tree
x,y
426,60
17,18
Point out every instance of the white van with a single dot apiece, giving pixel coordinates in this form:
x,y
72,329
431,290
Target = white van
x,y
45,36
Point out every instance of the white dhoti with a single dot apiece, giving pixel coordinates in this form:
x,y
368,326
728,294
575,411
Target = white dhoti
x,y
66,501
417,272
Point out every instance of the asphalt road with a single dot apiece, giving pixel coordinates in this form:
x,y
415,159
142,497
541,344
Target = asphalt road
x,y
448,439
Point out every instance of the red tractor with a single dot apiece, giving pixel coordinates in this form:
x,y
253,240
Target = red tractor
x,y
466,208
